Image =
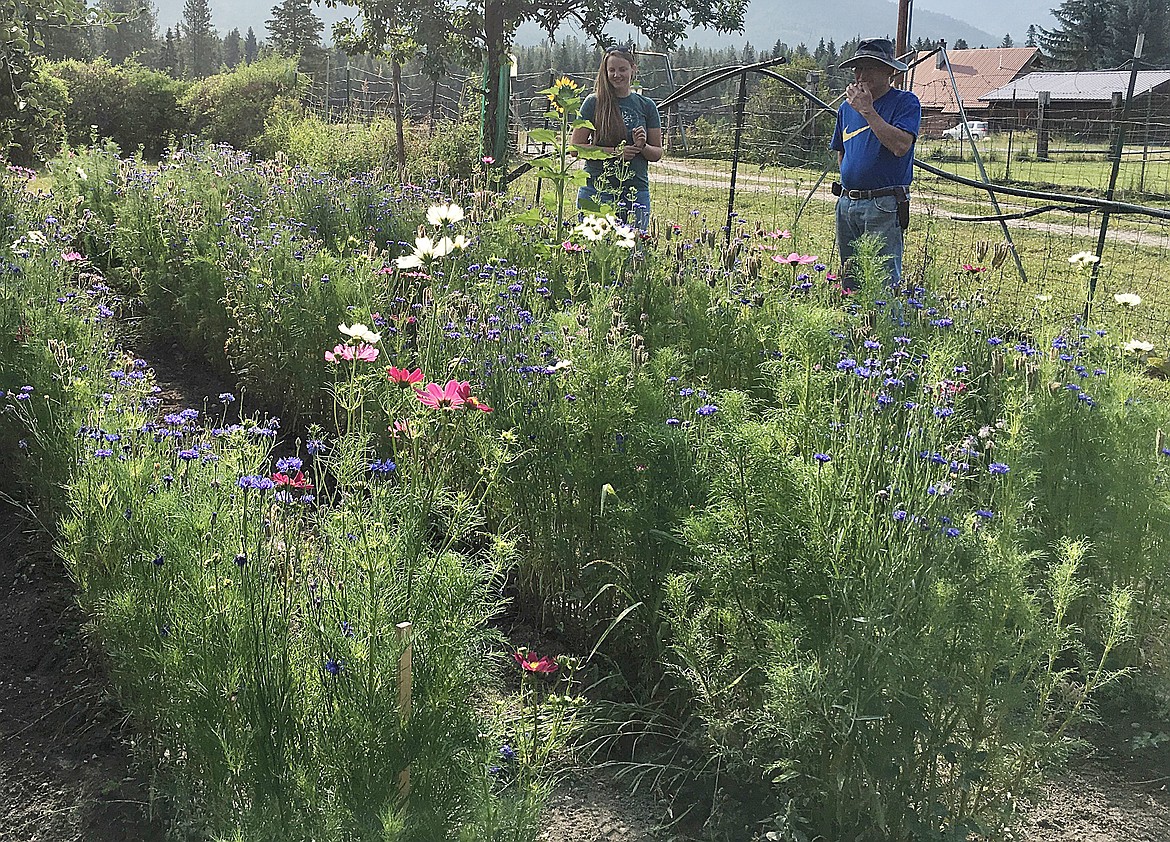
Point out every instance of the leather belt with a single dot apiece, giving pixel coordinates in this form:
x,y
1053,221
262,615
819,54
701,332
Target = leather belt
x,y
838,190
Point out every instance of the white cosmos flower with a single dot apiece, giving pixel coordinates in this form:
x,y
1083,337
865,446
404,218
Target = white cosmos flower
x,y
37,238
81,174
627,237
1128,298
589,228
425,250
460,242
444,214
1084,259
1043,299
1134,346
360,332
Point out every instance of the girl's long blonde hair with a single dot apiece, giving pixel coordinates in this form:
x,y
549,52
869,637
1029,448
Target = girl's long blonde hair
x,y
609,129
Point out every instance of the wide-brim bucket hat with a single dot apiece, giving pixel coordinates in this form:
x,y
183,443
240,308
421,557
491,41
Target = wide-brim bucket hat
x,y
878,49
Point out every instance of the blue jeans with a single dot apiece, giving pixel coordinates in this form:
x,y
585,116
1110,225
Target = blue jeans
x,y
641,206
879,216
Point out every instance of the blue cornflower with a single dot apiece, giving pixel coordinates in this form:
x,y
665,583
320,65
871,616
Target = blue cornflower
x,y
157,561
846,364
943,412
240,559
289,464
900,515
188,455
346,628
380,466
314,446
686,392
822,457
994,341
672,422
952,532
707,409
986,514
255,482
998,468
103,452
334,666
507,753
226,398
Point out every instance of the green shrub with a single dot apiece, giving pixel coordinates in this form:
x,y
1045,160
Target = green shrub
x,y
234,108
129,104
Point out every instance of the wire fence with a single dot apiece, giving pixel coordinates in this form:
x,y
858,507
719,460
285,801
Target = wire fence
x,y
1015,202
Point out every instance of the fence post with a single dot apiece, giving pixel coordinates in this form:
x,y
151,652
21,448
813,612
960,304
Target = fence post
x,y
740,107
1007,165
1043,98
1118,146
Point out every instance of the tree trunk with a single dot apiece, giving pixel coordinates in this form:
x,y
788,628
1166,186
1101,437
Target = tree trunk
x,y
495,141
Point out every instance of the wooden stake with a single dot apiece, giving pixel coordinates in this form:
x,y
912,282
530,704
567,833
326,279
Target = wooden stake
x,y
404,684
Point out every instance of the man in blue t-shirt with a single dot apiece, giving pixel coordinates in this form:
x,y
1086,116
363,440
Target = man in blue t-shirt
x,y
877,125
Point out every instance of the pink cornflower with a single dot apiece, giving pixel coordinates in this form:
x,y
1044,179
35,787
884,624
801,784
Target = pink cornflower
x,y
442,397
404,378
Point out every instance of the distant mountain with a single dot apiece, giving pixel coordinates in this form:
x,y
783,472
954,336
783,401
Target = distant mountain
x,y
767,21
1000,17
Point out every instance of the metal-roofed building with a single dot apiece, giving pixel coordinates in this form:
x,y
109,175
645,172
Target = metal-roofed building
x,y
1085,104
976,73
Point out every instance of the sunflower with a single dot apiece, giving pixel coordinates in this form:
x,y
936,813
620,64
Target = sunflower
x,y
563,91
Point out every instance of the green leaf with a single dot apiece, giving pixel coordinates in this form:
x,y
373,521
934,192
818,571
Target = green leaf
x,y
543,136
590,153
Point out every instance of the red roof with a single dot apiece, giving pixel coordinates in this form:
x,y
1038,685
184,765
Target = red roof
x,y
977,72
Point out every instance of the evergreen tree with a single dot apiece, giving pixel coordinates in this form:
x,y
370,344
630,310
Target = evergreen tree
x,y
1033,37
169,54
233,48
202,55
960,44
251,47
1131,17
135,36
1083,39
1007,41
293,29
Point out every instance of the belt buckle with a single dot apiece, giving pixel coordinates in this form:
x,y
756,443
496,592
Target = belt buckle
x,y
856,194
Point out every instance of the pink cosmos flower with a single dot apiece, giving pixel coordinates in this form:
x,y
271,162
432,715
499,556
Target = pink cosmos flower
x,y
362,351
298,481
71,256
435,396
404,378
529,662
795,259
469,400
572,247
967,267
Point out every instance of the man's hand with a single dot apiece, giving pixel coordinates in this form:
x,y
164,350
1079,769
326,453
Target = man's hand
x,y
859,96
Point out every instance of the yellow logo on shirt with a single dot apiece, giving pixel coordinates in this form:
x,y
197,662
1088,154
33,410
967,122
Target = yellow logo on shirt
x,y
845,135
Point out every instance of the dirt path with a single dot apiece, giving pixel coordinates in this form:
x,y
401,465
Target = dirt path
x,y
753,180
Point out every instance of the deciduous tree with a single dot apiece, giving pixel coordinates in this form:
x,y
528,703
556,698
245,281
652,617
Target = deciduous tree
x,y
486,28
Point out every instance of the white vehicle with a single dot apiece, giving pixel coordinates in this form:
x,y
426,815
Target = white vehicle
x,y
978,130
